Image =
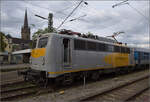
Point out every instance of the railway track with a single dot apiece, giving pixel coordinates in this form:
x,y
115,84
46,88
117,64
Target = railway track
x,y
144,97
16,90
21,90
125,92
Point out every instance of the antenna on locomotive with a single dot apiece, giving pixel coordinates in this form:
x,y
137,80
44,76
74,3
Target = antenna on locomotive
x,y
116,34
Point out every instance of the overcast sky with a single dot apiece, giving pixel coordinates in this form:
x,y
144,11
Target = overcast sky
x,y
101,19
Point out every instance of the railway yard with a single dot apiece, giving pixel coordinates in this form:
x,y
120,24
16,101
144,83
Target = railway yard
x,y
133,86
72,52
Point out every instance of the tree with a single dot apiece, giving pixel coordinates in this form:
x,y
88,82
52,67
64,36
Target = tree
x,y
89,33
42,31
3,44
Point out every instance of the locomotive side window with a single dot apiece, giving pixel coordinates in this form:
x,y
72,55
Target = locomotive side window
x,y
101,47
110,48
123,50
43,42
91,46
79,45
127,50
116,49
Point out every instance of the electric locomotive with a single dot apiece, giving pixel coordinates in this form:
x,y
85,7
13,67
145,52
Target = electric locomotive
x,y
63,58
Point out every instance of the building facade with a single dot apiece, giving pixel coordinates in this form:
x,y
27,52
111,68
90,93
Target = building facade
x,y
13,44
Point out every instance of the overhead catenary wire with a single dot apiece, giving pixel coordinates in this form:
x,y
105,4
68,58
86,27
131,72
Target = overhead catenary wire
x,y
138,11
126,2
69,15
55,12
60,12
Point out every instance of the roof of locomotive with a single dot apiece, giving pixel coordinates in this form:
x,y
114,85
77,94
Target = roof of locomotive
x,y
94,40
81,38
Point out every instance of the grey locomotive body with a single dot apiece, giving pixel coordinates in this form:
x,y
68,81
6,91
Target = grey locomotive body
x,y
55,56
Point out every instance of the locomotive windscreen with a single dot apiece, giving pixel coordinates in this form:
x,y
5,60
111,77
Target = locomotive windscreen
x,y
42,42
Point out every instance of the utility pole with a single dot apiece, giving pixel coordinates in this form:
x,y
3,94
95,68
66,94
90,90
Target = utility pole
x,y
50,22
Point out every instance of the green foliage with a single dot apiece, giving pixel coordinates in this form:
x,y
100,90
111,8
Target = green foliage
x,y
8,35
15,47
89,33
30,45
2,42
43,31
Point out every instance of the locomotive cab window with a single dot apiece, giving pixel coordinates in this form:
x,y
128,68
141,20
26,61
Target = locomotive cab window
x,y
43,42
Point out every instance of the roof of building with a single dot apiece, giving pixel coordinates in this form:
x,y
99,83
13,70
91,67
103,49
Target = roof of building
x,y
22,51
3,53
20,41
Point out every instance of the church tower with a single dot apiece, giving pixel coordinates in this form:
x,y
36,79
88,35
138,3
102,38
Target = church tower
x,y
25,30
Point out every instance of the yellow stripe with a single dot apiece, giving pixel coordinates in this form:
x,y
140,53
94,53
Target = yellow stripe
x,y
78,70
117,59
38,52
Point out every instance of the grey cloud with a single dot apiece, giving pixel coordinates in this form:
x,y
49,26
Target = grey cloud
x,y
106,21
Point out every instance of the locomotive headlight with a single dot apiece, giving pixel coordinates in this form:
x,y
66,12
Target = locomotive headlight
x,y
43,61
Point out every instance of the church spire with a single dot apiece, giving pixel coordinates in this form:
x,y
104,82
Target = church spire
x,y
25,30
26,19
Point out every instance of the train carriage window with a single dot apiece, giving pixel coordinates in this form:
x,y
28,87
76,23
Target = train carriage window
x,y
43,42
101,47
91,46
79,45
146,56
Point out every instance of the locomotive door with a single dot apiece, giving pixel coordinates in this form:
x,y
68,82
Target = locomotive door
x,y
66,53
